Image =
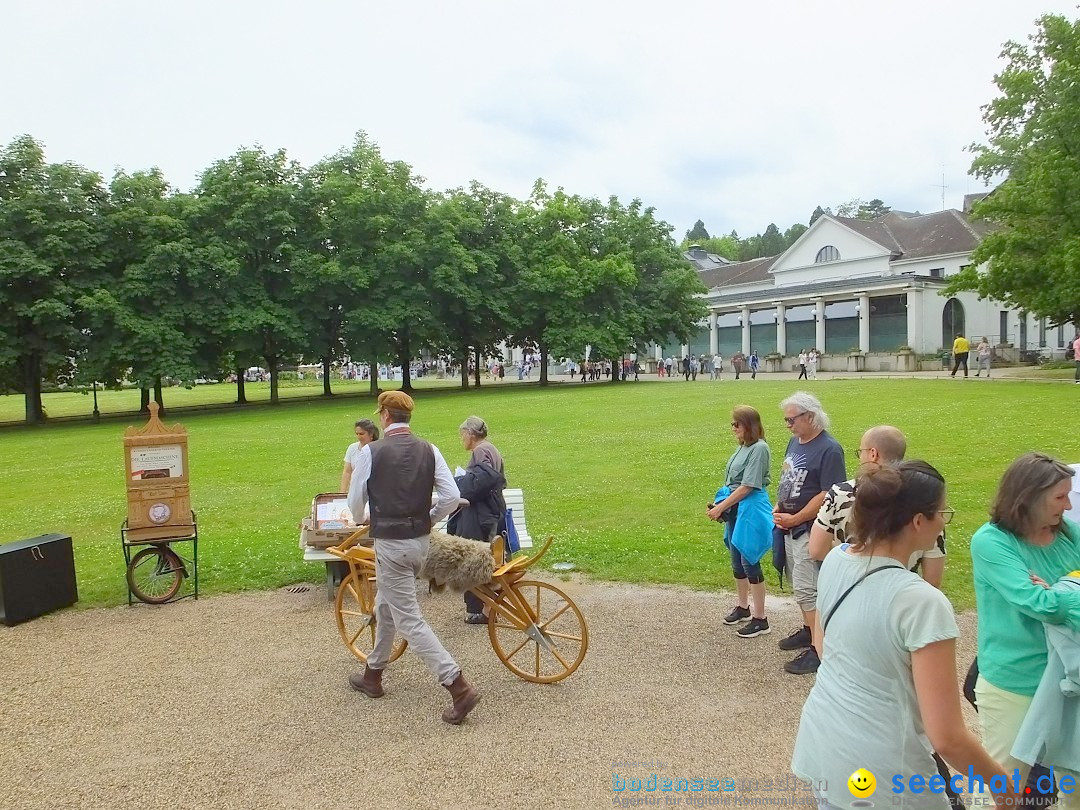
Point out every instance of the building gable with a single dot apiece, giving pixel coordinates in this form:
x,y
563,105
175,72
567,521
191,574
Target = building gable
x,y
852,246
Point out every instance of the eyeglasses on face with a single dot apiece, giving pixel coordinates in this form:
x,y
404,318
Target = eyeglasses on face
x,y
859,451
791,419
947,514
734,424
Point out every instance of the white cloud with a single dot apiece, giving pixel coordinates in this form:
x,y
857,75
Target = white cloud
x,y
740,114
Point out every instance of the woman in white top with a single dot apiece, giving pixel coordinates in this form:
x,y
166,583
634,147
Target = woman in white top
x,y
366,433
886,694
983,352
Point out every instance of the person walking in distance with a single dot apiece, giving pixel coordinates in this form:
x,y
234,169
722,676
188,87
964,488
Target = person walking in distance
x,y
983,352
755,363
396,475
802,365
960,349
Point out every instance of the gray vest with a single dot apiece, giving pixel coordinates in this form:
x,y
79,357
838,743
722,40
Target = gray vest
x,y
399,488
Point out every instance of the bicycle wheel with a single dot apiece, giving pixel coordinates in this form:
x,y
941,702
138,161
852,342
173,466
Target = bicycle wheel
x,y
553,641
354,609
155,574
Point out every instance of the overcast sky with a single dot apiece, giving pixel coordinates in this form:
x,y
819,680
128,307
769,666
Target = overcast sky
x,y
737,113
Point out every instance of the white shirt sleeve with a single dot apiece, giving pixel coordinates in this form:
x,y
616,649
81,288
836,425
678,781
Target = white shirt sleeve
x,y
357,499
445,487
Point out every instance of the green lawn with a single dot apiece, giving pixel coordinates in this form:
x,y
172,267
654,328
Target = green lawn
x,y
619,474
64,404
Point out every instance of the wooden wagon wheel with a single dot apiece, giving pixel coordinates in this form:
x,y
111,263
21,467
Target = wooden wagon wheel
x,y
538,632
354,607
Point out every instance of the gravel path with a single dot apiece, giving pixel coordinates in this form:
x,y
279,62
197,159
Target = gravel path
x,y
241,701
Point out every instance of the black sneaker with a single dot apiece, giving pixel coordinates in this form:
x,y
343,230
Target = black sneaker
x,y
739,614
805,663
754,628
475,618
797,640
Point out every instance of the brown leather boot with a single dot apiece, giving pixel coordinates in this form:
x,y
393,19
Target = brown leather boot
x,y
370,683
465,699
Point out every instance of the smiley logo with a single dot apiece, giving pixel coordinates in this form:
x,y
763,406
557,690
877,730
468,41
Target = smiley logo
x,y
862,783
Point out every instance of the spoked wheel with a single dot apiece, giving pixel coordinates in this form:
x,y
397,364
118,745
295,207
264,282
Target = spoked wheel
x,y
155,574
355,610
546,646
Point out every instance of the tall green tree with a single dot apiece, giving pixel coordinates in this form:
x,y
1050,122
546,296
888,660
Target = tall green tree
x,y
1033,256
246,209
474,256
697,233
50,255
153,314
379,228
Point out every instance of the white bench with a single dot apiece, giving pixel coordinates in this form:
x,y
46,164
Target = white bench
x,y
336,568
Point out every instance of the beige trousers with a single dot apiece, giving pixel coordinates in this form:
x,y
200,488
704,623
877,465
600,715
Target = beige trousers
x,y
397,564
1001,714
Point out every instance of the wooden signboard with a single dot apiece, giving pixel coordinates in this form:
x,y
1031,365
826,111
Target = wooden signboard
x,y
156,467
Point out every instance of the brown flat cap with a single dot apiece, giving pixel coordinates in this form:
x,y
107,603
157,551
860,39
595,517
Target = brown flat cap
x,y
395,400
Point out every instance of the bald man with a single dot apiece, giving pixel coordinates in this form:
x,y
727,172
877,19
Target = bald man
x,y
883,444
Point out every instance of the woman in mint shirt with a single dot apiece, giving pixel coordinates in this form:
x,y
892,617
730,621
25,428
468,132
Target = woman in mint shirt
x,y
1026,544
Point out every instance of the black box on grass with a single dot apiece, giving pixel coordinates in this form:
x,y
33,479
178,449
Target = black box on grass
x,y
36,575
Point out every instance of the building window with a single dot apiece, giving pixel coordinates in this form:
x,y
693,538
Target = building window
x,y
937,272
827,254
1061,336
1003,327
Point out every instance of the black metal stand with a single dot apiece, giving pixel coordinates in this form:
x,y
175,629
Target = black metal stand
x,y
193,561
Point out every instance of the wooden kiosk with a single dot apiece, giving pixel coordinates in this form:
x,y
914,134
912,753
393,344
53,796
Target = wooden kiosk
x,y
158,511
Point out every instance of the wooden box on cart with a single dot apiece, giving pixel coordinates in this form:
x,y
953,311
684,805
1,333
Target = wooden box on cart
x,y
158,488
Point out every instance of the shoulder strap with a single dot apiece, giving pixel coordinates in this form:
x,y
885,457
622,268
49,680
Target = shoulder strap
x,y
843,596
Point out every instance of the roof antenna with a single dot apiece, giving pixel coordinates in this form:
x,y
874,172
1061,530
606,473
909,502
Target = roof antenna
x,y
942,186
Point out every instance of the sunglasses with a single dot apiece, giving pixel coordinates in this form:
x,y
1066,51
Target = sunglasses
x,y
791,419
947,515
734,424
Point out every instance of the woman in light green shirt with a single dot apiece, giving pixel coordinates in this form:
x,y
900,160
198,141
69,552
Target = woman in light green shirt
x,y
1026,544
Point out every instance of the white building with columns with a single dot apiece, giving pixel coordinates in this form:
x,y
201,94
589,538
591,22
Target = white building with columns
x,y
863,288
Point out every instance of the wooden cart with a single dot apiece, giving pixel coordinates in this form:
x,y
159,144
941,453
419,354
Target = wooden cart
x,y
535,629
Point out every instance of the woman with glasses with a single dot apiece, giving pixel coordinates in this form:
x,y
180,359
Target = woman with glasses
x,y
885,695
744,506
1027,544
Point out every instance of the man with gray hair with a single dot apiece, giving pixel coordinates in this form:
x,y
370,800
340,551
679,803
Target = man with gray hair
x,y
813,463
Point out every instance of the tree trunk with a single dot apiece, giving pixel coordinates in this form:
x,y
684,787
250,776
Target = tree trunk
x,y
272,364
465,368
476,371
158,398
144,400
35,413
373,377
403,359
543,364
241,399
326,377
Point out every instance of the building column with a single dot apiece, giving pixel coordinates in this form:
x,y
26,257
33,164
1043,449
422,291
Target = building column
x,y
864,323
714,338
685,351
781,329
915,338
819,324
746,331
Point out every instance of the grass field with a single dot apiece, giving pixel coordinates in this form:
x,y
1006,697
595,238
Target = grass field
x,y
619,474
76,403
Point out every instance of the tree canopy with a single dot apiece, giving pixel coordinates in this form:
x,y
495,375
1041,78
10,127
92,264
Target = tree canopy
x,y
1033,255
266,262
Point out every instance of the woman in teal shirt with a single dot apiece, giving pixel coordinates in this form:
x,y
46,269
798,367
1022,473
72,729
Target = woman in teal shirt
x,y
1026,544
